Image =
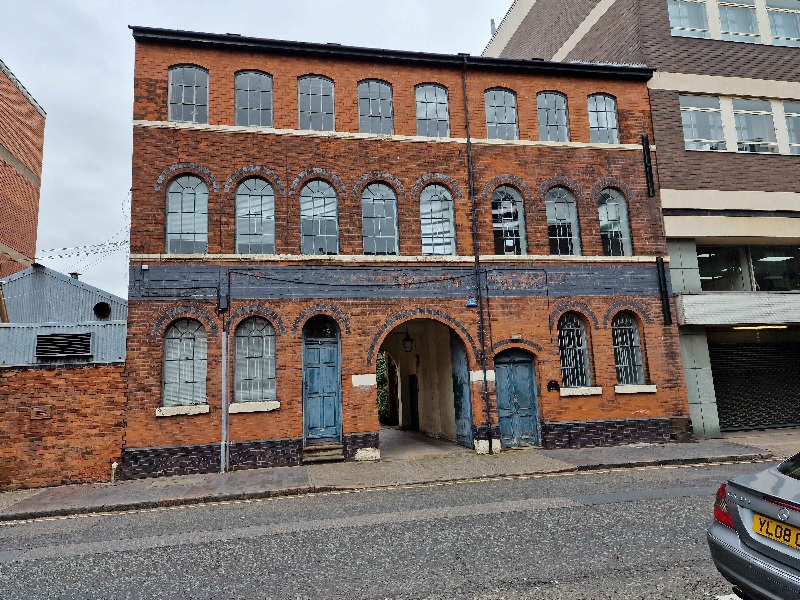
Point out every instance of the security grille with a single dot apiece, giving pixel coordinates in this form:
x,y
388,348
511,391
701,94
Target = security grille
x,y
757,385
61,345
574,352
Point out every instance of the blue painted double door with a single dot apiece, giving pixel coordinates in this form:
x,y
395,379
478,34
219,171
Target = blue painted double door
x,y
322,381
517,399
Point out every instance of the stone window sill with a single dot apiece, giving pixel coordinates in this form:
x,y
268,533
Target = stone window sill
x,y
253,407
581,391
635,389
174,411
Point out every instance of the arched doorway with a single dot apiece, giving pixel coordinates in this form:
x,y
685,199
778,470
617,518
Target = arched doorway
x,y
517,399
432,380
322,382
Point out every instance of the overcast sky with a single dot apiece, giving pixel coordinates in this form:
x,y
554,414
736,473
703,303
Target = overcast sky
x,y
76,59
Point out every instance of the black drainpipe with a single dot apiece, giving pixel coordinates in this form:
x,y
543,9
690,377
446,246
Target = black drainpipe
x,y
476,252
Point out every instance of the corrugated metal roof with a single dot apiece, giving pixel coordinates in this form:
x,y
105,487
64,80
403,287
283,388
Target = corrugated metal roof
x,y
18,343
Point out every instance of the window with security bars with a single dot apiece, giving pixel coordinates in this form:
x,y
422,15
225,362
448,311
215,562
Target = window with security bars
x,y
755,127
573,349
501,114
433,113
187,216
702,123
562,222
792,110
603,122
615,229
254,361
375,110
739,21
255,217
188,94
319,218
254,101
379,219
688,18
551,108
185,357
436,221
64,345
508,221
784,22
627,349
315,103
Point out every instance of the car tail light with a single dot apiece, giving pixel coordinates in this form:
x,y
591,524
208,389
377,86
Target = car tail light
x,y
721,513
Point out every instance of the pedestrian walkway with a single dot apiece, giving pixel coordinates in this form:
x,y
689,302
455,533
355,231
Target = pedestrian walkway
x,y
411,460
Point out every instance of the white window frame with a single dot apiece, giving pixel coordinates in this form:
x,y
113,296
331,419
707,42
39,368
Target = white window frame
x,y
714,22
707,31
792,147
769,25
755,37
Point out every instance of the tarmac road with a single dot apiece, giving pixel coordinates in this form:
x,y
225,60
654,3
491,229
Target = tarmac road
x,y
627,534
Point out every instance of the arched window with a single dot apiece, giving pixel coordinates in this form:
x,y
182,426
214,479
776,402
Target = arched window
x,y
188,94
603,123
562,222
433,112
185,364
508,221
375,111
379,219
501,114
627,349
254,361
574,351
436,220
254,103
615,229
551,108
319,218
315,103
255,217
187,216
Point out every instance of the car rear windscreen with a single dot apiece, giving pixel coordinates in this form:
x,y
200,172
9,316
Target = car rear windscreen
x,y
791,467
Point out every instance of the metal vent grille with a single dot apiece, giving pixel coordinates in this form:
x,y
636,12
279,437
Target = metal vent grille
x,y
757,385
63,345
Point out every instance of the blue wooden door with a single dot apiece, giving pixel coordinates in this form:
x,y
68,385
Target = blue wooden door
x,y
322,404
517,399
461,392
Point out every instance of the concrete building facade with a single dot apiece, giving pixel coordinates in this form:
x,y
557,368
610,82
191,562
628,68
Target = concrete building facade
x,y
299,209
726,111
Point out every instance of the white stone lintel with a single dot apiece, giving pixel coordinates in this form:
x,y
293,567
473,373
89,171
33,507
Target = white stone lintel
x,y
477,376
368,454
364,381
175,411
581,391
635,389
253,407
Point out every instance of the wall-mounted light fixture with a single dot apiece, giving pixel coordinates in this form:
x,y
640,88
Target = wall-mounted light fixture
x,y
408,341
552,386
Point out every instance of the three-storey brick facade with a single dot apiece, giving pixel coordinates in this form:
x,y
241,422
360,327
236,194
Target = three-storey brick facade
x,y
300,209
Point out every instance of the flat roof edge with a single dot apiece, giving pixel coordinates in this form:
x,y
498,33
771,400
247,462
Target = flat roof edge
x,y
235,41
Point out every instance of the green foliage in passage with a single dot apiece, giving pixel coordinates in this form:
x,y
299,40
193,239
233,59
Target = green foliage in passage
x,y
383,389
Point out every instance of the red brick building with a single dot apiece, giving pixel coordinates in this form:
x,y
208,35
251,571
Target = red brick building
x,y
21,146
492,225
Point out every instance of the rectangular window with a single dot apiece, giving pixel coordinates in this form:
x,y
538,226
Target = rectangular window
x,y
551,110
603,122
501,114
315,103
739,21
433,114
688,18
188,94
776,268
755,128
793,125
702,123
253,99
784,22
721,268
375,111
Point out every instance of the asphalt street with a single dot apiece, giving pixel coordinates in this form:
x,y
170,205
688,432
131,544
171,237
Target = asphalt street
x,y
626,534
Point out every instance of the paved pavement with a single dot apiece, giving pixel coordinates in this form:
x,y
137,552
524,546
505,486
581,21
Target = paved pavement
x,y
408,459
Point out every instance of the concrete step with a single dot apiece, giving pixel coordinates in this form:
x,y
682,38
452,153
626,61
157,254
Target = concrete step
x,y
318,453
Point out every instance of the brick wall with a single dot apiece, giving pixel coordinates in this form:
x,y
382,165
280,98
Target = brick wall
x,y
60,426
21,146
614,38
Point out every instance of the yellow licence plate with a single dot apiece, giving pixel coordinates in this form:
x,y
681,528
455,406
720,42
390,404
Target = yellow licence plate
x,y
774,530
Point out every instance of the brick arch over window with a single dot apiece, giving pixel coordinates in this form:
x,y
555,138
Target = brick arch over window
x,y
511,343
509,180
578,307
321,309
436,178
190,168
254,171
613,182
627,306
183,312
257,311
375,177
410,315
560,182
318,174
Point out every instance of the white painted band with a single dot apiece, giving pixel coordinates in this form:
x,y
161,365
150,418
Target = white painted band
x,y
368,380
584,28
581,391
723,200
724,86
635,389
253,407
174,411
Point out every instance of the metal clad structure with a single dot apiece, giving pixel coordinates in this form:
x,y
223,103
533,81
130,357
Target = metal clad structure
x,y
18,343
